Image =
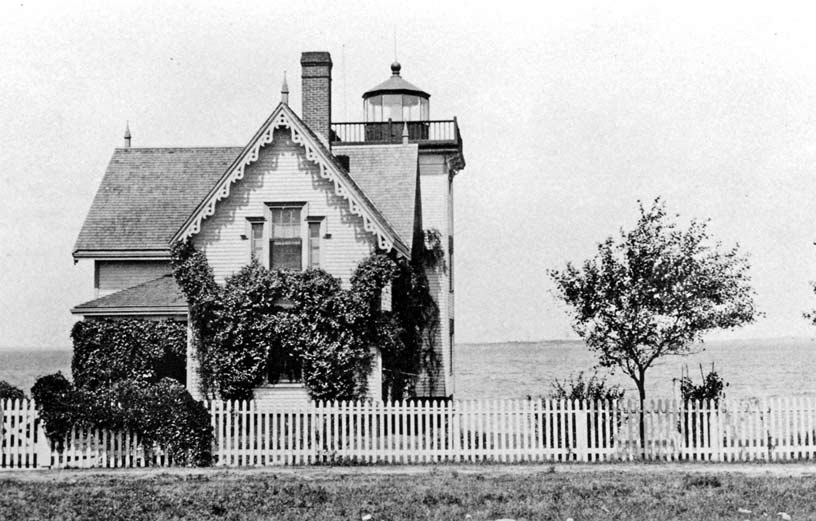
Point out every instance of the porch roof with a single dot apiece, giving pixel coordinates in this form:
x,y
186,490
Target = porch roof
x,y
160,296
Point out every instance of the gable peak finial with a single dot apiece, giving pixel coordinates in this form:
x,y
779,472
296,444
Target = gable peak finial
x,y
285,90
127,134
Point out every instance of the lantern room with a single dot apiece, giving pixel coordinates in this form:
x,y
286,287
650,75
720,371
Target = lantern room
x,y
395,107
396,99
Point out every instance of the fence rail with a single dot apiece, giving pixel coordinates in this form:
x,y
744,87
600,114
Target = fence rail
x,y
463,431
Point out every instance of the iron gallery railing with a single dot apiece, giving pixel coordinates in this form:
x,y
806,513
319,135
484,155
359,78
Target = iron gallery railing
x,y
430,132
252,433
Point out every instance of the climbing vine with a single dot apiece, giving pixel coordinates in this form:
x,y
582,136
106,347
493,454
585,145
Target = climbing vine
x,y
108,351
260,315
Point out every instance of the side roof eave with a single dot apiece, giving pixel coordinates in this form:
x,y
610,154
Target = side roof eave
x,y
130,311
330,169
111,254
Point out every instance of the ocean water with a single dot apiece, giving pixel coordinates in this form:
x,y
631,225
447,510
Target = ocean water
x,y
753,368
22,367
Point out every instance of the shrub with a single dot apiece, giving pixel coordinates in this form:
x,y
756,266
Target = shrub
x,y
165,414
108,351
162,413
9,392
712,387
577,387
56,401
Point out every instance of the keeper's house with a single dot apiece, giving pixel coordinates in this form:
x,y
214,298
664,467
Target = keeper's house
x,y
304,191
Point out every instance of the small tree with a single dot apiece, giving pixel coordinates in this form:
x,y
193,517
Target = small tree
x,y
653,292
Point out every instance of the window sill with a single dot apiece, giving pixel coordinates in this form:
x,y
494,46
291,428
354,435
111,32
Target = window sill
x,y
283,385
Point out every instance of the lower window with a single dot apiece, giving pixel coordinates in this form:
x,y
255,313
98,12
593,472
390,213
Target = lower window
x,y
283,367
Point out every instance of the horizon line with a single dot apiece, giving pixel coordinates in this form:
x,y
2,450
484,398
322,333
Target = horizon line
x,y
469,342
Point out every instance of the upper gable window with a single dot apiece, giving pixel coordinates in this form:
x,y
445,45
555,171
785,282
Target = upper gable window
x,y
285,242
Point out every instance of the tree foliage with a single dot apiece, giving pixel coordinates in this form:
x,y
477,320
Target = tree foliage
x,y
655,291
259,314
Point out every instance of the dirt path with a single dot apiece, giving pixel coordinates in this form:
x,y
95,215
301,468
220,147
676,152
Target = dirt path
x,y
749,469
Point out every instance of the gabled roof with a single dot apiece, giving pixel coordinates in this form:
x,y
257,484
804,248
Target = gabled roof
x,y
151,196
330,169
161,296
388,174
146,194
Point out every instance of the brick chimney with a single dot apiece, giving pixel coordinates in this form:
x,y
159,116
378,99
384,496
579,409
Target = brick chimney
x,y
316,76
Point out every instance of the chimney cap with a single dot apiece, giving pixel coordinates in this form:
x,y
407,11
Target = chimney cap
x,y
315,58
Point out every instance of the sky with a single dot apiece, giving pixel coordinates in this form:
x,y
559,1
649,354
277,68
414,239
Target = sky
x,y
570,113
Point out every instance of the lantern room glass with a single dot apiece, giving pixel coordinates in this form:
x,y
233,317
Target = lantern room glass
x,y
396,107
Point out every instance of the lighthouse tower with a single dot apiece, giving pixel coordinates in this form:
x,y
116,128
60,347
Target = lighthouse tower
x,y
397,111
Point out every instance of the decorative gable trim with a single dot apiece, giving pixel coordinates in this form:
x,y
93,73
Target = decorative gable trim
x,y
343,186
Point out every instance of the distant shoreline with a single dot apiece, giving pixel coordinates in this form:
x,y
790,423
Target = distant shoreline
x,y
579,341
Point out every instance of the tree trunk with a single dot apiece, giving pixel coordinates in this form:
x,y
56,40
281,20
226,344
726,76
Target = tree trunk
x,y
641,386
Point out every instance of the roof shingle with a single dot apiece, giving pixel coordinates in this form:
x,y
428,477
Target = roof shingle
x,y
147,193
387,174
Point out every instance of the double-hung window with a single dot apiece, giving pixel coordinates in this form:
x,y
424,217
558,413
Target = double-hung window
x,y
292,241
285,242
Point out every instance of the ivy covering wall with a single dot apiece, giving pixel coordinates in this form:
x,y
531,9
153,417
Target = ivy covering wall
x,y
259,314
108,351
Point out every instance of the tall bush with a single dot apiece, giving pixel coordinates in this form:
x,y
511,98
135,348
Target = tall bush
x,y
57,403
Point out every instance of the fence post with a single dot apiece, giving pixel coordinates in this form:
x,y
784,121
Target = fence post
x,y
579,408
455,430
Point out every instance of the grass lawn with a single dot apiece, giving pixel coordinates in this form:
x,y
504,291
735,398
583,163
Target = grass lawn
x,y
391,493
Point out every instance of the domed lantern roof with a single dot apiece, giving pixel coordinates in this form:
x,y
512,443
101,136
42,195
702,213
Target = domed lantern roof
x,y
396,84
396,99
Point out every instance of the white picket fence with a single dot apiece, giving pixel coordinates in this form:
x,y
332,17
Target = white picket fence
x,y
460,431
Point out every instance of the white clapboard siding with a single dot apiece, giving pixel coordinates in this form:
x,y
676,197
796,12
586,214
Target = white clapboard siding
x,y
512,431
112,276
283,174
